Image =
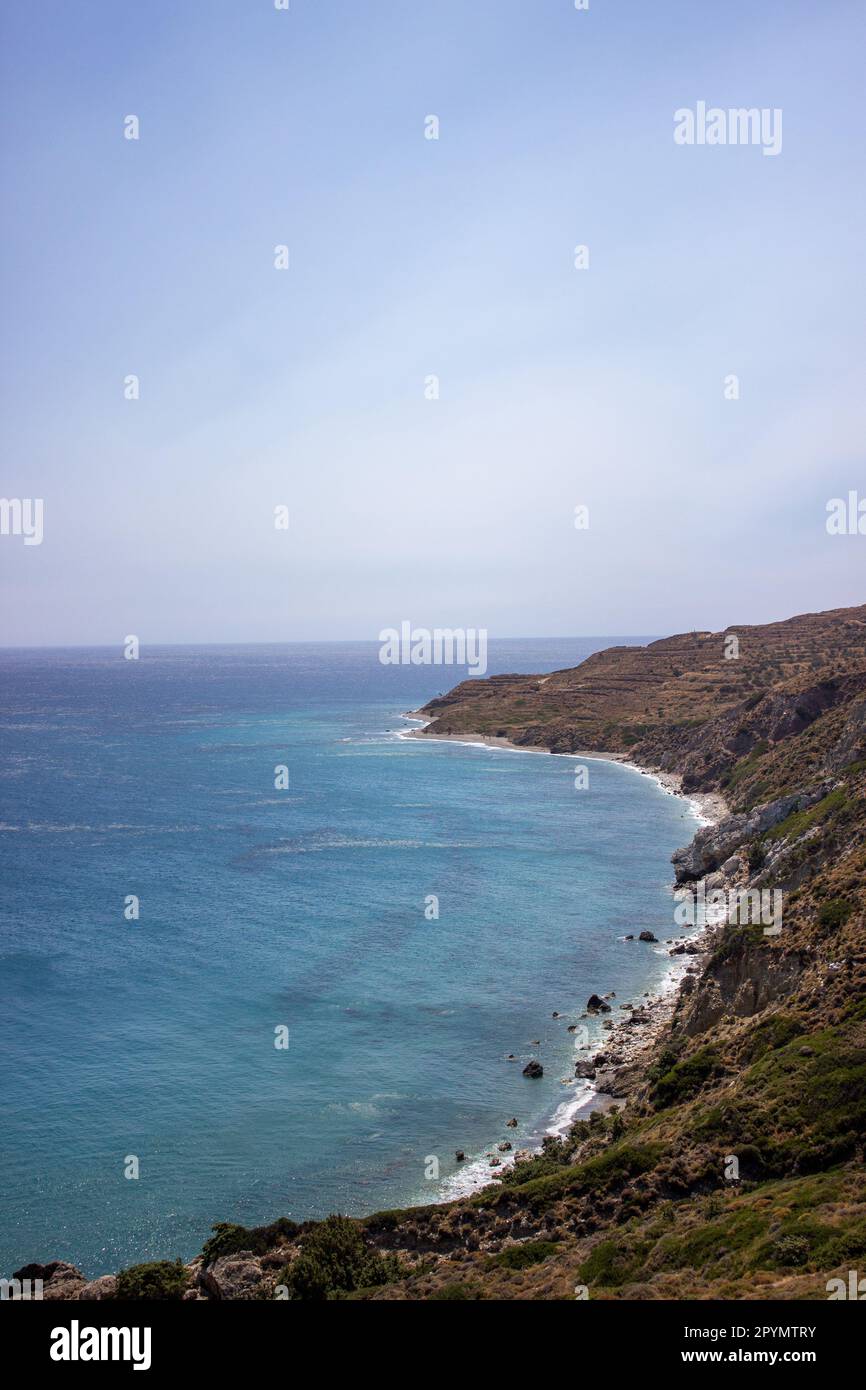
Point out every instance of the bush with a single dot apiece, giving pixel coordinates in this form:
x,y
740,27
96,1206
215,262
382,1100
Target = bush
x,y
335,1261
798,822
774,1032
757,857
161,1281
835,913
685,1078
531,1252
791,1250
614,1262
229,1238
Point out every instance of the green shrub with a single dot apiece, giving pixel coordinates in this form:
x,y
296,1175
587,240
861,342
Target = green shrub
x,y
614,1262
770,1033
717,1240
614,1167
798,822
229,1238
334,1261
757,857
791,1250
161,1281
835,913
531,1252
685,1078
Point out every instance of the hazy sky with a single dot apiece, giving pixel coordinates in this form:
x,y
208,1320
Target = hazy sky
x,y
411,257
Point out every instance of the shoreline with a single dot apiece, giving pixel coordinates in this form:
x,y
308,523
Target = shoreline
x,y
711,806
626,1040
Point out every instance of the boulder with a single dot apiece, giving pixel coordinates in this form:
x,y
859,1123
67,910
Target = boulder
x,y
619,1082
595,1005
103,1287
59,1279
459,1155
533,1069
647,936
512,1123
233,1277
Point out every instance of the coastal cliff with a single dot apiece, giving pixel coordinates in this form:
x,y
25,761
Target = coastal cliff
x,y
734,1166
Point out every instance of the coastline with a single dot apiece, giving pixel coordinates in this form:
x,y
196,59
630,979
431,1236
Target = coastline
x,y
619,1055
711,806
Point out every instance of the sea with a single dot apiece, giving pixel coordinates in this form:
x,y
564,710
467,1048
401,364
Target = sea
x,y
262,955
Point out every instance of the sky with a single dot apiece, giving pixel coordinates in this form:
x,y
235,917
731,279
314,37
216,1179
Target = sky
x,y
308,388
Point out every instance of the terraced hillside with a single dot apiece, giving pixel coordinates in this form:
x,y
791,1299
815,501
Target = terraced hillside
x,y
695,703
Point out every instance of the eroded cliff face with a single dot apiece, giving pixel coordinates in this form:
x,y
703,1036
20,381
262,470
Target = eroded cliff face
x,y
740,985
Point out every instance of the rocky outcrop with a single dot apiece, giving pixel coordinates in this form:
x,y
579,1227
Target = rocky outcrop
x,y
103,1287
851,744
595,1005
59,1279
741,983
715,844
237,1276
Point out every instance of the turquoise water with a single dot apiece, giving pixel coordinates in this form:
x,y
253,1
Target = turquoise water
x,y
303,908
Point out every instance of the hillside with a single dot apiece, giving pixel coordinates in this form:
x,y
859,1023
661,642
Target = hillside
x,y
763,1060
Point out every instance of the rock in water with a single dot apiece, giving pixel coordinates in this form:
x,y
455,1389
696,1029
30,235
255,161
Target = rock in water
x,y
533,1068
647,936
595,1005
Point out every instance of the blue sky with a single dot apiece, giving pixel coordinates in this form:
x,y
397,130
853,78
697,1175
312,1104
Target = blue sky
x,y
411,257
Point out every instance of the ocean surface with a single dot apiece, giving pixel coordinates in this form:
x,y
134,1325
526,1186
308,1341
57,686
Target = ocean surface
x,y
299,909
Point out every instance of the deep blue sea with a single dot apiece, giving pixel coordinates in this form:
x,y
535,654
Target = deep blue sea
x,y
301,908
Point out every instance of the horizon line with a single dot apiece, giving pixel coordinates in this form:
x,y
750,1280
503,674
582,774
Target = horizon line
x,y
302,641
